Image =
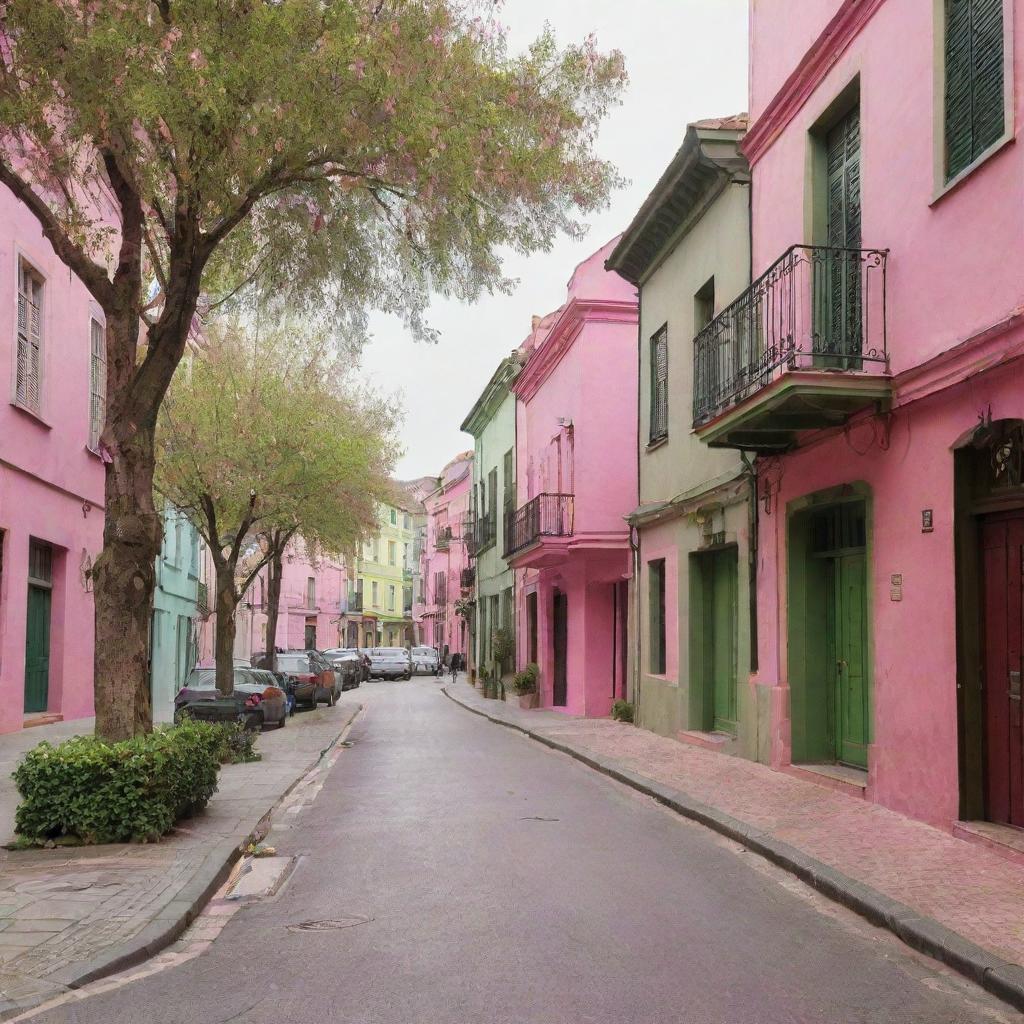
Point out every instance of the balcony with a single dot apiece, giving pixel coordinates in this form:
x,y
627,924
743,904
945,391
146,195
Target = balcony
x,y
203,599
467,578
443,538
546,516
803,348
355,600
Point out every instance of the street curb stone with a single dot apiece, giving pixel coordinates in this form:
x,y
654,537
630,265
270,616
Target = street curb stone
x,y
924,934
177,914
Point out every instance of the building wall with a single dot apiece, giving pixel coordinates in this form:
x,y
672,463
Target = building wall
x,y
494,578
51,485
175,634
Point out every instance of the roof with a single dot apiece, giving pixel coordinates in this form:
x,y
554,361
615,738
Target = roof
x,y
494,392
707,161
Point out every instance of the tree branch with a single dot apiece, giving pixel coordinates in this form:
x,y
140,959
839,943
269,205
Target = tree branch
x,y
92,275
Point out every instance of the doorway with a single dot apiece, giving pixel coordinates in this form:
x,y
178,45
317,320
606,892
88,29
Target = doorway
x,y
309,634
713,640
1002,544
560,689
829,643
37,632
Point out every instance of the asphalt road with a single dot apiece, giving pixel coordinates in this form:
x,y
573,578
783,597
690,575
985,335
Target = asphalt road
x,y
484,879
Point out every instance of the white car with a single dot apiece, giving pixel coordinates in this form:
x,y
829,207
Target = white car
x,y
390,663
424,660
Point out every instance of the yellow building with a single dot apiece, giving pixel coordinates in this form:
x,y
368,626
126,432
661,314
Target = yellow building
x,y
380,583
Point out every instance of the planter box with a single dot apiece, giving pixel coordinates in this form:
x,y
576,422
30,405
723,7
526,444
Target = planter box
x,y
521,700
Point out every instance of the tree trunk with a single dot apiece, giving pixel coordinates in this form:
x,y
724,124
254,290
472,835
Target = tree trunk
x,y
124,578
274,572
224,636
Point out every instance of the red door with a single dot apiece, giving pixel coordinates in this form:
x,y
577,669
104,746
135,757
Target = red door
x,y
1002,542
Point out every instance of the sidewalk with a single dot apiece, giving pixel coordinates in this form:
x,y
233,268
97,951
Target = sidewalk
x,y
951,899
68,916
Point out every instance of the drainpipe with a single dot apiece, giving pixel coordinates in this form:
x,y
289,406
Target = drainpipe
x,y
752,551
634,544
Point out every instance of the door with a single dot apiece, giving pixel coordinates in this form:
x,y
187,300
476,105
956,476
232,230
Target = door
x,y
846,625
1002,541
723,642
840,316
559,696
309,634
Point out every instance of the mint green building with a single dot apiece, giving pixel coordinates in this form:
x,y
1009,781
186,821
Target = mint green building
x,y
492,424
179,599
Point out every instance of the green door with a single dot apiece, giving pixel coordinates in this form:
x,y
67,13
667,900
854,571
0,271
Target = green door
x,y
723,643
848,644
37,650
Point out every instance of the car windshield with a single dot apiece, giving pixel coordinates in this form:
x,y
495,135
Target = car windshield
x,y
422,652
206,678
391,652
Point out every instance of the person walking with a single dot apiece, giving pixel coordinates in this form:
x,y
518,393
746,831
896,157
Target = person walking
x,y
456,664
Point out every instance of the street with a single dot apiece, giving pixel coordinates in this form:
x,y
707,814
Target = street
x,y
480,877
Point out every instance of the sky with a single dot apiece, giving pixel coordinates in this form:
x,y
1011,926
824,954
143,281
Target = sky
x,y
687,60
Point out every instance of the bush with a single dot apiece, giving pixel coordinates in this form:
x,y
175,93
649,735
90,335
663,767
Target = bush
x,y
526,680
503,644
622,711
89,791
237,744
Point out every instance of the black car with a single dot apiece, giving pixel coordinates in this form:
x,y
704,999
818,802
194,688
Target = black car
x,y
257,699
349,666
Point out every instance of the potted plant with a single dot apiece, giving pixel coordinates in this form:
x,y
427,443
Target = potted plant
x,y
503,651
524,686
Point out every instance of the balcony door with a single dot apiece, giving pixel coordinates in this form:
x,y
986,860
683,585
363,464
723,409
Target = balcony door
x,y
838,290
560,687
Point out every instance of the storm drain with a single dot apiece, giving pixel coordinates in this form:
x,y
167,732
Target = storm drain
x,y
330,925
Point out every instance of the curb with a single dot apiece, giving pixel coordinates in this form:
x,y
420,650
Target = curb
x,y
924,934
178,913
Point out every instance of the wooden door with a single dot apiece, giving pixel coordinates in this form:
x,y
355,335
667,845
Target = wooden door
x,y
846,624
559,696
841,295
37,650
1002,541
723,641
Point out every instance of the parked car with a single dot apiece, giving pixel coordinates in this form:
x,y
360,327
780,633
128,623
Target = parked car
x,y
258,699
329,691
424,660
313,680
390,663
349,664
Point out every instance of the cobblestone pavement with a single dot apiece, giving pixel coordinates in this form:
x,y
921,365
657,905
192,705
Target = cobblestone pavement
x,y
965,887
62,912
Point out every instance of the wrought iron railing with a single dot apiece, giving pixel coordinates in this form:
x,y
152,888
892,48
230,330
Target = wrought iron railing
x,y
815,308
355,600
443,538
467,578
203,599
547,515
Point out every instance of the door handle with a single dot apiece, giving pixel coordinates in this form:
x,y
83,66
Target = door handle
x,y
841,664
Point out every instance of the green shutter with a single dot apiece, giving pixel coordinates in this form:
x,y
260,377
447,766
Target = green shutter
x,y
974,101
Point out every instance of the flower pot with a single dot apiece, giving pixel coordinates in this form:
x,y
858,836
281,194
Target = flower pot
x,y
528,700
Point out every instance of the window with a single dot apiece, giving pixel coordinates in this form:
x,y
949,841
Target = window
x,y
492,503
178,542
440,588
659,385
656,614
311,592
974,114
394,517
97,382
704,306
391,598
30,337
375,593
392,553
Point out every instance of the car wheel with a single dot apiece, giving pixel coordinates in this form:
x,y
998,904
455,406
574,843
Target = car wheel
x,y
330,698
284,720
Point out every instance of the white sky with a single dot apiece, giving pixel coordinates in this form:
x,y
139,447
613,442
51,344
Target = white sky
x,y
687,59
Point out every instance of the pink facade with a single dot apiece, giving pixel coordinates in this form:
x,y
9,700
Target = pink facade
x,y
955,336
576,423
311,613
444,559
51,484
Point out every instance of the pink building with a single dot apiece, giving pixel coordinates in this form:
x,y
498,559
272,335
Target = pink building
x,y
446,572
576,471
51,481
314,593
875,367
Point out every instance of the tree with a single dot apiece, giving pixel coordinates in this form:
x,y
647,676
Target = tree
x,y
342,154
262,439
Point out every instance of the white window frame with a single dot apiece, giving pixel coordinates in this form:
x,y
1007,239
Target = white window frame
x,y
941,186
391,597
97,380
27,269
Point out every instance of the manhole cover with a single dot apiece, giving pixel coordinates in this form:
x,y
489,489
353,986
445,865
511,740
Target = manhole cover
x,y
334,924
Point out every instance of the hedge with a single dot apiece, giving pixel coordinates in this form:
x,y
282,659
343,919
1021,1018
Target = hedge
x,y
88,791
